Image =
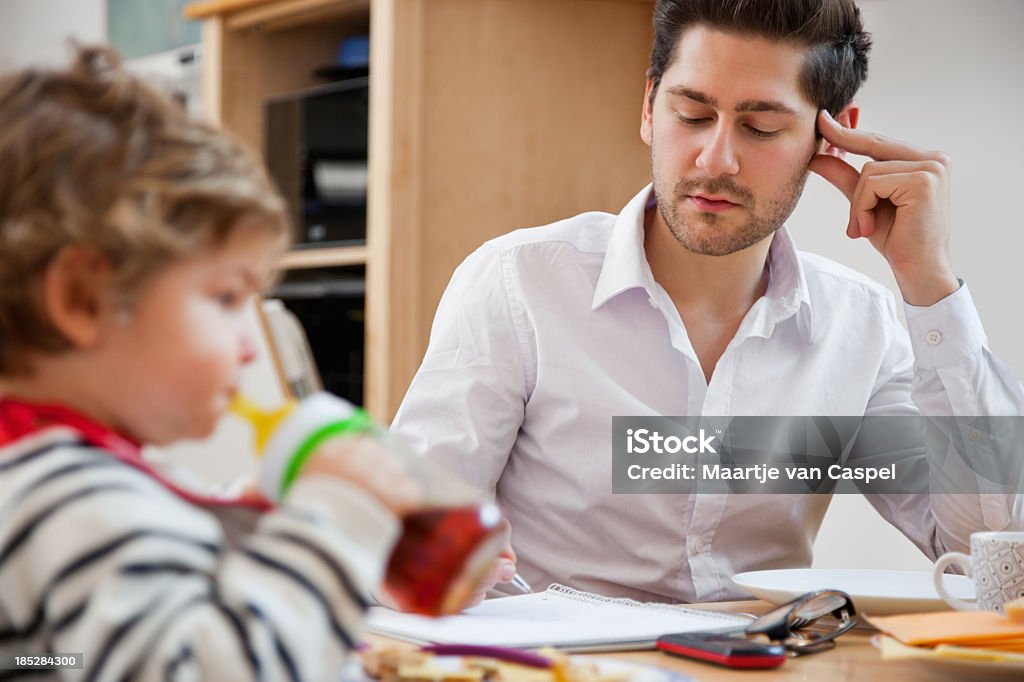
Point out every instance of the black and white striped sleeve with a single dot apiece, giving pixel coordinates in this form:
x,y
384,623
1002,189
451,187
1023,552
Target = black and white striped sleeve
x,y
98,558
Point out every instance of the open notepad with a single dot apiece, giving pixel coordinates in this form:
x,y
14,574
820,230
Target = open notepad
x,y
560,617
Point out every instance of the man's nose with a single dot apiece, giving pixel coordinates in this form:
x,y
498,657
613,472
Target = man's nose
x,y
718,155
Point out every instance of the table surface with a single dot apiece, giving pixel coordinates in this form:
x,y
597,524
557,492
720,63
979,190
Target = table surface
x,y
853,658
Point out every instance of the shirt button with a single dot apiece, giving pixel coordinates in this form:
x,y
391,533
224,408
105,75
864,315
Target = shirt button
x,y
975,435
654,304
934,337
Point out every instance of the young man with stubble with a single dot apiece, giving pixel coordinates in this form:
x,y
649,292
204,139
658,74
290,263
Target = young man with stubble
x,y
694,300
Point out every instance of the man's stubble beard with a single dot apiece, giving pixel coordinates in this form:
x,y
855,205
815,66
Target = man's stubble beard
x,y
722,242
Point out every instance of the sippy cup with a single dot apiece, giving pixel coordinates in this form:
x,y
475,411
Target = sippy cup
x,y
444,550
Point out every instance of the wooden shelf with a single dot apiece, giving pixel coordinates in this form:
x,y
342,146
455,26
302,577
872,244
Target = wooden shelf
x,y
204,9
331,256
469,135
276,15
284,15
210,8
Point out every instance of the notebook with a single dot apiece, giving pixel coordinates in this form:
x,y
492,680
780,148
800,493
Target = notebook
x,y
560,617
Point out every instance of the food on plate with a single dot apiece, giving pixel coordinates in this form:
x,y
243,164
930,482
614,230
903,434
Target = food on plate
x,y
389,663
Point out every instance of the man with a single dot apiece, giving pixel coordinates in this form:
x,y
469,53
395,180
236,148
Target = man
x,y
695,301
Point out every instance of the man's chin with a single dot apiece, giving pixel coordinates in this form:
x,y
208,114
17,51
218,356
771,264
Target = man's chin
x,y
719,243
713,250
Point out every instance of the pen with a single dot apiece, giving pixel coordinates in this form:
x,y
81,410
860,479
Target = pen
x,y
520,584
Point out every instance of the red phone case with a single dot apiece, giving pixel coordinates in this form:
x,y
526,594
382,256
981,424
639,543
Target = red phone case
x,y
731,652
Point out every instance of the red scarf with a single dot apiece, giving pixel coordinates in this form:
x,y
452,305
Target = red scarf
x,y
20,419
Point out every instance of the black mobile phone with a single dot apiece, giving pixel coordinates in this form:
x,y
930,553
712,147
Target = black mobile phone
x,y
727,650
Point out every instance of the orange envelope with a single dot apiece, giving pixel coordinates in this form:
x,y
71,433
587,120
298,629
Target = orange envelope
x,y
968,628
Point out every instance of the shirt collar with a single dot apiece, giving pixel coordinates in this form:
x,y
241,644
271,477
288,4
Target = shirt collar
x,y
625,267
788,294
625,264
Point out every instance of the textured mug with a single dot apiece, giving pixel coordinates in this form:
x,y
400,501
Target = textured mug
x,y
996,564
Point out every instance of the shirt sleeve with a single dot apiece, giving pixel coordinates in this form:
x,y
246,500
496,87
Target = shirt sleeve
x,y
955,373
977,400
966,460
467,402
100,559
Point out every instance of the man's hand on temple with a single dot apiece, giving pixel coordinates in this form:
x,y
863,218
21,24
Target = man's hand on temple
x,y
900,202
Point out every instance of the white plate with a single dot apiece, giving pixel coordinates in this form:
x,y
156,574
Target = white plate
x,y
874,592
353,671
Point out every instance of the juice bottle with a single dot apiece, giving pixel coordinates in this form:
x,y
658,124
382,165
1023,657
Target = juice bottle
x,y
444,550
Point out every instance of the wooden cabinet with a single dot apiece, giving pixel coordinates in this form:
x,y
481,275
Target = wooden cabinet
x,y
485,116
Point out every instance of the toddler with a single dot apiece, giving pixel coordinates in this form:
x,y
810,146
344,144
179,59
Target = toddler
x,y
131,238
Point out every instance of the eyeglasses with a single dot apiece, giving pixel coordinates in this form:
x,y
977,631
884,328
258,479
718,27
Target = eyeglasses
x,y
796,625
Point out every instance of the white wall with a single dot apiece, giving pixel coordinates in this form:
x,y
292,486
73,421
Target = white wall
x,y
945,74
33,31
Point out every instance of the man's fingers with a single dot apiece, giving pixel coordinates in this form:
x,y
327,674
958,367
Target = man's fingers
x,y
502,571
878,197
493,576
878,147
841,174
506,570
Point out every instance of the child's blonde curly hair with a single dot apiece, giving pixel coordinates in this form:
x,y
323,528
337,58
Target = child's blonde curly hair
x,y
92,156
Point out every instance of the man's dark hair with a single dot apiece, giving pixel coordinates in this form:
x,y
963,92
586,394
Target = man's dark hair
x,y
836,63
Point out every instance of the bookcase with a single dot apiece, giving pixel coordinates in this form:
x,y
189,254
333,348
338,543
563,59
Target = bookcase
x,y
485,116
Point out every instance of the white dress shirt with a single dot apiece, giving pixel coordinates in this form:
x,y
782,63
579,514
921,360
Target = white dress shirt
x,y
545,334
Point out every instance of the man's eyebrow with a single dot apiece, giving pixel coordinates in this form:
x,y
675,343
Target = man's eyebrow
x,y
764,105
695,95
749,105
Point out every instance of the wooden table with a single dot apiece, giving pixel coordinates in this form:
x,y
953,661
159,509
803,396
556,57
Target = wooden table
x,y
853,658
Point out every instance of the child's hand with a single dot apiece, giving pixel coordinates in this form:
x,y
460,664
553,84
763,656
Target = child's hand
x,y
365,462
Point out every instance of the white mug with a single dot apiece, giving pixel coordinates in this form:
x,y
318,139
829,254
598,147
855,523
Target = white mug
x,y
996,563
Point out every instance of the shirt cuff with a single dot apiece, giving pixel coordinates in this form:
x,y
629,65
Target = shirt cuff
x,y
946,332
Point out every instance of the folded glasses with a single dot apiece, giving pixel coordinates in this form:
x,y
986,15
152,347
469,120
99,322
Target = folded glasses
x,y
808,624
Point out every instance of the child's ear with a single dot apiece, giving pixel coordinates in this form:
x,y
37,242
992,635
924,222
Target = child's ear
x,y
76,294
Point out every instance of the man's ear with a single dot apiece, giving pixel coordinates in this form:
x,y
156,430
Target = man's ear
x,y
847,117
77,294
647,116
